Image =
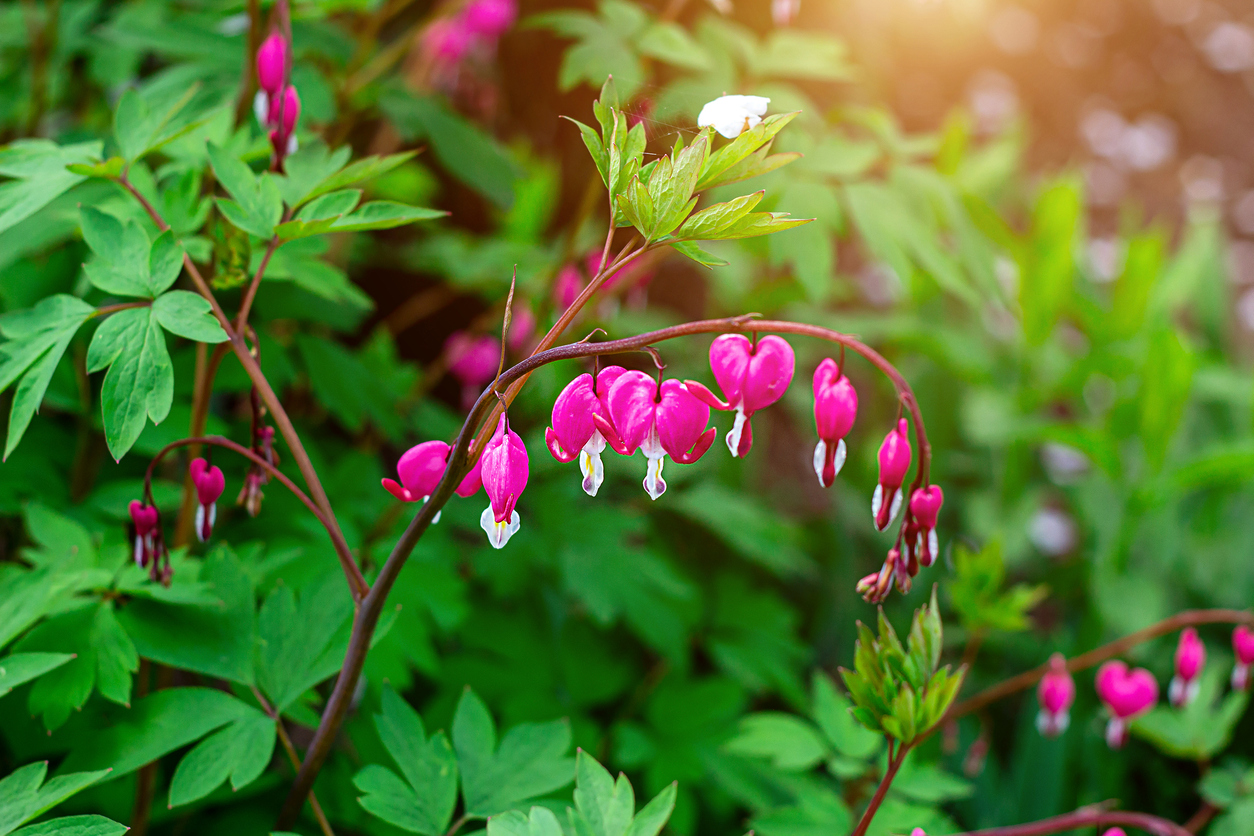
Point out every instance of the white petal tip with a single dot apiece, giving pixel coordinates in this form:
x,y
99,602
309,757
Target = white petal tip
x,y
499,533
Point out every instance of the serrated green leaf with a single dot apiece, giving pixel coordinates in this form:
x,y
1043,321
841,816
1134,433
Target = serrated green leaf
x,y
540,822
126,263
74,826
718,220
729,163
140,380
669,42
791,744
240,752
832,713
17,668
256,205
40,175
116,658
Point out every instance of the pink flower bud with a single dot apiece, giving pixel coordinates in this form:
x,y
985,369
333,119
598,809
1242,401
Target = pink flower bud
x,y
504,471
490,18
925,505
420,467
875,588
574,433
660,421
473,360
145,519
446,40
284,111
567,287
272,64
1243,647
1056,693
1190,657
751,376
835,408
522,327
209,483
1115,831
1126,694
895,456
918,831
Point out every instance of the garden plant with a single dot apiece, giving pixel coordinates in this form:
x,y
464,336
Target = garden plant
x,y
338,338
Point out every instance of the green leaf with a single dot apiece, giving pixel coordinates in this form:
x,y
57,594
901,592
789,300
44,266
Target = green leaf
x,y
139,130
257,205
37,339
108,169
605,806
718,220
790,743
737,161
378,214
126,739
540,822
1048,267
1142,267
691,250
1166,380
74,826
38,169
17,794
530,761
140,380
424,801
126,263
669,42
832,713
17,668
1201,729
189,315
794,54
241,752
302,640
62,787
116,658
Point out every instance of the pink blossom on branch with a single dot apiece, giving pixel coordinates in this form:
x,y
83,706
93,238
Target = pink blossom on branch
x,y
835,408
146,520
1126,694
661,421
894,456
1056,693
1190,657
209,484
473,360
925,505
504,468
574,433
1243,647
752,376
272,64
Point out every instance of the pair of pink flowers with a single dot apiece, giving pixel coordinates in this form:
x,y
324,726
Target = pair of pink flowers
x,y
501,471
277,105
149,548
1126,694
478,26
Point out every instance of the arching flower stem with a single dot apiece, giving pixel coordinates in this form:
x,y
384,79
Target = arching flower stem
x,y
1088,817
483,415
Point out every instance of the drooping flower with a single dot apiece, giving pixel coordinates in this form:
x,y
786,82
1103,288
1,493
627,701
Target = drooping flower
x,y
146,520
421,468
272,64
209,483
574,433
835,408
473,360
733,115
752,376
446,41
250,493
567,286
662,421
925,505
1190,657
1243,647
895,455
522,327
503,467
874,588
284,111
1056,693
489,19
1115,831
1126,693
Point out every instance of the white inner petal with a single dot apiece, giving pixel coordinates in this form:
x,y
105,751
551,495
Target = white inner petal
x,y
498,532
898,496
654,484
933,545
820,459
590,464
261,107
139,550
733,437
877,499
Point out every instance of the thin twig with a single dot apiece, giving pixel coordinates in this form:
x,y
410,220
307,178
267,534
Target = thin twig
x,y
1085,818
292,755
873,806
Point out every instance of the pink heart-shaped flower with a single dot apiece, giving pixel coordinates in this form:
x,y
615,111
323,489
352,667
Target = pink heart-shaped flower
x,y
1126,692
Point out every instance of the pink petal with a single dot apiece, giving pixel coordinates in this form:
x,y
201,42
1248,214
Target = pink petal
x,y
729,360
681,419
769,373
572,418
421,467
633,408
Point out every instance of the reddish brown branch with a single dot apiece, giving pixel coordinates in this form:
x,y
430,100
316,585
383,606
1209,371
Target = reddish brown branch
x,y
1086,818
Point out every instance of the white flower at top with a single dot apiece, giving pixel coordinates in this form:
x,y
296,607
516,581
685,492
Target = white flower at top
x,y
733,115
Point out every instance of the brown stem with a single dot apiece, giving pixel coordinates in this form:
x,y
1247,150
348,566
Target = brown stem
x,y
459,464
1085,818
356,582
206,369
105,310
873,806
341,548
1202,817
1188,618
292,756
241,319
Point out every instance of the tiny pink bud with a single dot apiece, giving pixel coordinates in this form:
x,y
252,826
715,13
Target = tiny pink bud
x,y
209,483
1115,831
784,12
894,456
662,421
752,376
835,408
504,468
567,286
284,111
1190,657
1243,647
272,64
925,505
490,18
1126,693
146,521
1056,693
473,360
918,831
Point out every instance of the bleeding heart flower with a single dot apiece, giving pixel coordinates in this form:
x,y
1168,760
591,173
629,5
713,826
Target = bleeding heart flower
x,y
574,433
503,467
473,360
1190,657
209,483
281,119
895,455
567,286
835,408
661,421
272,64
146,519
421,468
1115,831
1056,693
446,41
925,505
874,588
1126,694
489,19
1243,647
752,376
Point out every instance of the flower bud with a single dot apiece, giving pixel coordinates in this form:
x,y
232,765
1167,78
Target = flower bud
x,y
489,18
835,408
272,64
1243,647
925,505
503,468
894,456
446,41
145,519
209,484
1056,693
1115,831
1190,657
